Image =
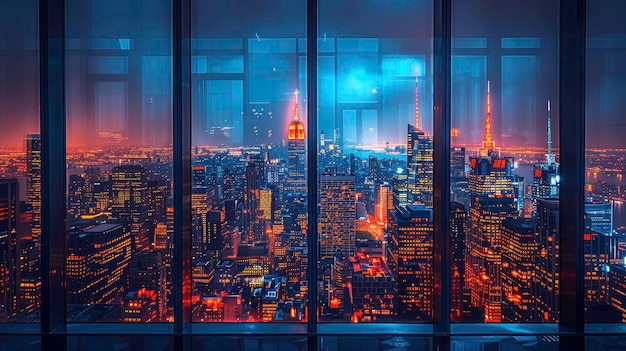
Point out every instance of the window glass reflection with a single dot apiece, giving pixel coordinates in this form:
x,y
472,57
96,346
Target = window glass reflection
x,y
605,215
119,161
375,163
20,164
504,162
249,192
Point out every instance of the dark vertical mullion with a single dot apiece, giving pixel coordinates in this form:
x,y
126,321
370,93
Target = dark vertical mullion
x,y
572,158
441,173
181,60
311,128
52,124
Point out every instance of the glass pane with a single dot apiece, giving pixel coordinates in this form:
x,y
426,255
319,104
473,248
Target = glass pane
x,y
120,343
375,161
504,162
20,163
377,343
250,343
605,215
119,161
249,196
494,343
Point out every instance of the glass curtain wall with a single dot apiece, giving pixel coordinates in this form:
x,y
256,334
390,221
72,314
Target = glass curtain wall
x,y
249,191
504,162
119,161
20,163
605,155
375,164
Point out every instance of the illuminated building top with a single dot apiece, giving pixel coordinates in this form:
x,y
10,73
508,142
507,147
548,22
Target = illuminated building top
x,y
488,144
296,127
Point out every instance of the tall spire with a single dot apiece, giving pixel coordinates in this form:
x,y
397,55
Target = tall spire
x,y
488,144
550,157
417,104
296,117
296,127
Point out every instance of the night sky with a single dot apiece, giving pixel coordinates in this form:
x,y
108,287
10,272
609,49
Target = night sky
x,y
146,25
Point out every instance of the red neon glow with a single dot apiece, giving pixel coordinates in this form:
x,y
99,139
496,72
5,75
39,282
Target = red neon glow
x,y
296,127
488,143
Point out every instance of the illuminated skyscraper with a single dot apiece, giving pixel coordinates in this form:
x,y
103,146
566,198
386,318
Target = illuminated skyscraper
x,y
129,197
492,200
96,262
410,257
617,289
419,160
546,279
599,214
198,175
33,190
9,267
147,271
296,179
596,254
400,188
216,234
546,175
519,250
337,231
457,162
384,202
373,290
458,227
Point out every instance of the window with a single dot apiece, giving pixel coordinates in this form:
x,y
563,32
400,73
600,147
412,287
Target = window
x,y
375,163
249,190
119,161
504,162
20,164
605,220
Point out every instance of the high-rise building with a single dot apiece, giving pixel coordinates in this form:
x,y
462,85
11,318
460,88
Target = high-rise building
x,y
617,289
373,290
518,266
400,184
198,175
296,177
216,232
33,189
419,160
337,222
146,271
76,199
9,256
596,251
546,177
547,272
96,262
384,202
492,200
129,198
410,257
337,232
457,163
599,214
458,227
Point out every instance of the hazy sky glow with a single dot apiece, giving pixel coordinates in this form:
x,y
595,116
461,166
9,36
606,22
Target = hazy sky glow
x,y
130,94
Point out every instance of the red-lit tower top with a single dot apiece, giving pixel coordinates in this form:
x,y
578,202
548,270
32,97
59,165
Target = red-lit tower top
x,y
296,127
488,144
